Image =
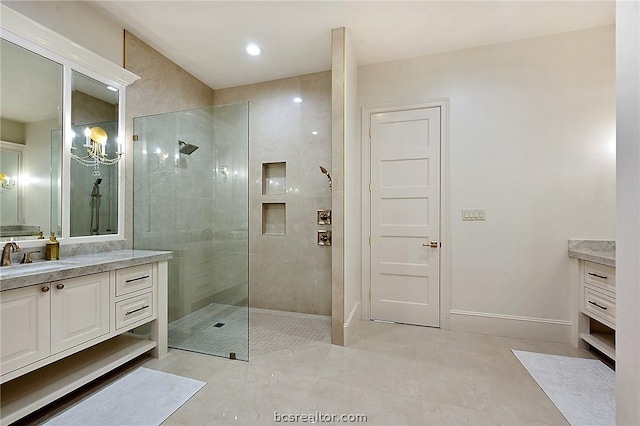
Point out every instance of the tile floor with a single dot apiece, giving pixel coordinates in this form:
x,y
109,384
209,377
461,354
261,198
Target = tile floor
x,y
270,331
396,375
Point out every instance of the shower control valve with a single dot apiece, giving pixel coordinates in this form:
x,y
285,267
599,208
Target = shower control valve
x,y
324,217
324,238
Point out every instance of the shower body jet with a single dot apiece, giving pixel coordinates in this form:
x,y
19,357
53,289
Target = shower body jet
x,y
324,171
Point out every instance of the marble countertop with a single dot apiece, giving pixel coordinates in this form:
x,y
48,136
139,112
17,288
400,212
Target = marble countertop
x,y
598,251
17,275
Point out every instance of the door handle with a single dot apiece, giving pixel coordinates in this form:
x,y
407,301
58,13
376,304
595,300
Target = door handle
x,y
433,244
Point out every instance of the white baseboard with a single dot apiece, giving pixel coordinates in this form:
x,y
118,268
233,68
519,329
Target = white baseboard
x,y
550,330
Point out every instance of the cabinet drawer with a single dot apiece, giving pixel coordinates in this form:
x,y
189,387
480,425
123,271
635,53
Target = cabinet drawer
x,y
133,279
601,276
135,309
600,306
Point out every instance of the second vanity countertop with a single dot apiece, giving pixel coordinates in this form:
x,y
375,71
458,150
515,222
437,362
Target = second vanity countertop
x,y
598,251
17,276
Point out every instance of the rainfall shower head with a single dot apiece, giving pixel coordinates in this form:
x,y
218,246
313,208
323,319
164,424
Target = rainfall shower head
x,y
186,148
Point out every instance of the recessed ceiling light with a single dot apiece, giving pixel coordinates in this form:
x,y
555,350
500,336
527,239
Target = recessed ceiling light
x,y
254,49
315,132
113,89
297,99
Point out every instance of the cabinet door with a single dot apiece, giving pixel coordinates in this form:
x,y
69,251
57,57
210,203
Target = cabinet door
x,y
24,319
79,310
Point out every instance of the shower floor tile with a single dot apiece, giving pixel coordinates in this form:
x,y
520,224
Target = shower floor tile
x,y
269,331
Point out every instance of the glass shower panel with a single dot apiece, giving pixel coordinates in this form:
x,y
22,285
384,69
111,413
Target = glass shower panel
x,y
191,197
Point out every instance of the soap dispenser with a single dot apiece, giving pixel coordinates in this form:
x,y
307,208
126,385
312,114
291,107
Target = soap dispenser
x,y
52,249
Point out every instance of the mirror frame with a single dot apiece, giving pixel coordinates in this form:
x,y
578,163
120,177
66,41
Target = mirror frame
x,y
41,40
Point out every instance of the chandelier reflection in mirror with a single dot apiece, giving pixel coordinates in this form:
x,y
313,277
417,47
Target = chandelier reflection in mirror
x,y
96,146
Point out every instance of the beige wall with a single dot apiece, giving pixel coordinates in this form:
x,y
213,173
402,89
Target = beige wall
x,y
86,109
531,135
12,131
289,272
628,233
163,87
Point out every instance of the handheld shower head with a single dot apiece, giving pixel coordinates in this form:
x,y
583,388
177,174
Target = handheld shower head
x,y
98,181
326,172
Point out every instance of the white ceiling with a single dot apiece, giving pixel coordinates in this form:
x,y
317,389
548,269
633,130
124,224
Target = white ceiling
x,y
207,38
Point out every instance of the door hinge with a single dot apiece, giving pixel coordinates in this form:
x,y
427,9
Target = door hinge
x,y
369,294
135,138
369,240
369,133
369,186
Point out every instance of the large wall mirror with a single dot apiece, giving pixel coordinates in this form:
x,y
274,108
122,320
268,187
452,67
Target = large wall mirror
x,y
30,147
61,138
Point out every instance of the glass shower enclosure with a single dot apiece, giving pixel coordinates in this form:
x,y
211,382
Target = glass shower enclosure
x,y
191,196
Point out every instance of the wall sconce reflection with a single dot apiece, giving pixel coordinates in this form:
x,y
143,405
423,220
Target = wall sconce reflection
x,y
7,182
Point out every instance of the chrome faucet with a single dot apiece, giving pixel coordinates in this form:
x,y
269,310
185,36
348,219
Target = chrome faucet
x,y
6,253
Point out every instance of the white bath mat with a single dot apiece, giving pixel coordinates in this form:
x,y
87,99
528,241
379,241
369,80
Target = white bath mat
x,y
582,389
144,397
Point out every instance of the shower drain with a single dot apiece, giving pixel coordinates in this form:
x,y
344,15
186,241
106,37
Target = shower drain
x,y
218,325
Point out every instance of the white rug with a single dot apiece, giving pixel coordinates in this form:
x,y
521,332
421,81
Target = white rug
x,y
582,389
144,397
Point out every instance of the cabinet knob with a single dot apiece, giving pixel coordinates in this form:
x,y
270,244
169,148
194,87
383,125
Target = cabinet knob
x,y
45,289
60,286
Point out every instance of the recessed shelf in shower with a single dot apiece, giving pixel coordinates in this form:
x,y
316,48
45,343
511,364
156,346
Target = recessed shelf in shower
x,y
274,218
274,178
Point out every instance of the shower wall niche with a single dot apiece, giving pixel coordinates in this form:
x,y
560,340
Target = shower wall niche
x,y
274,219
274,188
274,178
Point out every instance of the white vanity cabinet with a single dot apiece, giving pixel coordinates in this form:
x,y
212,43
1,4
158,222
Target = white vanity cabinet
x,y
24,320
598,306
79,310
63,333
593,294
595,313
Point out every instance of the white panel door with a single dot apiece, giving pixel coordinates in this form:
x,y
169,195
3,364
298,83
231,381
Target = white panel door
x,y
79,310
24,321
405,216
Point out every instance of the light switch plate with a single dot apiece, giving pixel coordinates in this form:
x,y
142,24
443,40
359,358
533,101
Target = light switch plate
x,y
473,214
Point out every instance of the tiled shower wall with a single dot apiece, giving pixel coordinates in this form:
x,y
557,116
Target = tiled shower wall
x,y
289,272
